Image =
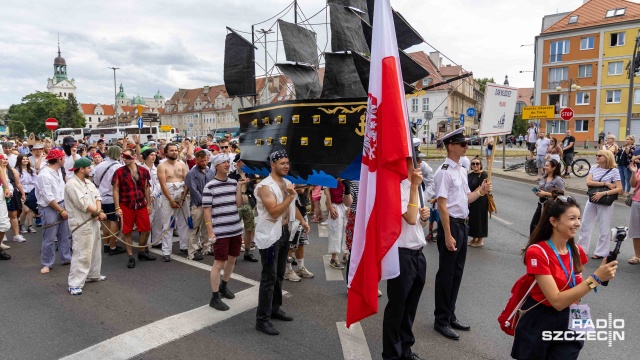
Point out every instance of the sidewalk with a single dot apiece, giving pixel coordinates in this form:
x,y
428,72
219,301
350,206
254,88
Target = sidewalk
x,y
573,183
510,153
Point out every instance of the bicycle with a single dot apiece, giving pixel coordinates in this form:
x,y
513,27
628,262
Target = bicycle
x,y
580,167
529,167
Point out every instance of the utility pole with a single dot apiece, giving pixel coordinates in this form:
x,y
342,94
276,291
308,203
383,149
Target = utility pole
x,y
115,95
266,70
632,74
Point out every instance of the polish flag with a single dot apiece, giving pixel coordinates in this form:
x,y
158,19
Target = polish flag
x,y
374,253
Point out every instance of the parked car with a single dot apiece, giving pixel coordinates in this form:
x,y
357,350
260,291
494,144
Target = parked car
x,y
474,140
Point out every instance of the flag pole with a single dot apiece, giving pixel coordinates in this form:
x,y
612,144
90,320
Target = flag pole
x,y
415,163
493,153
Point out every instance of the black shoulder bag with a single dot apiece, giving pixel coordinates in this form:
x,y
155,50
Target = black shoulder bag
x,y
606,200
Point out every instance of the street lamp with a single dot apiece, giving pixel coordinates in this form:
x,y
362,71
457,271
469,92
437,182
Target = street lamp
x,y
574,85
115,94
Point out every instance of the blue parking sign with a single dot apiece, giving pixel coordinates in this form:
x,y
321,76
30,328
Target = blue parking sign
x,y
461,119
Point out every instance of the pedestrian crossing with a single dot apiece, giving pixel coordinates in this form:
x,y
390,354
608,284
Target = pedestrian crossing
x,y
354,344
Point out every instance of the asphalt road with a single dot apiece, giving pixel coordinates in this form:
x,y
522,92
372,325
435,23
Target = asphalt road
x,y
159,310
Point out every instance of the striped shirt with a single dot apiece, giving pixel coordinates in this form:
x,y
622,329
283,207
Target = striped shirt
x,y
220,196
597,174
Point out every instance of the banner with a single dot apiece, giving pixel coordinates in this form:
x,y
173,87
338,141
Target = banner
x,y
499,108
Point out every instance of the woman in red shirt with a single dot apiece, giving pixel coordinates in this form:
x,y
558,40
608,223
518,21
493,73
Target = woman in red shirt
x,y
556,262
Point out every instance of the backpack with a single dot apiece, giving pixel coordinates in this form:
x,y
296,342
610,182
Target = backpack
x,y
520,291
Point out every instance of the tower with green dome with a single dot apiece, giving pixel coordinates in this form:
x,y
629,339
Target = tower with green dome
x,y
60,84
121,97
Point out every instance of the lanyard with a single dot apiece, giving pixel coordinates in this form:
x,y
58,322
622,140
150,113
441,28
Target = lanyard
x,y
572,281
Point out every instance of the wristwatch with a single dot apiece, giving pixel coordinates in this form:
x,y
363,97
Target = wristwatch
x,y
591,283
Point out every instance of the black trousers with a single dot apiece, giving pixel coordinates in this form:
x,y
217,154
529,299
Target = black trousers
x,y
535,218
449,273
404,295
274,264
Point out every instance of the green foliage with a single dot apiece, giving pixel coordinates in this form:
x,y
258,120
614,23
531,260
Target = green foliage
x,y
519,126
483,83
72,117
35,109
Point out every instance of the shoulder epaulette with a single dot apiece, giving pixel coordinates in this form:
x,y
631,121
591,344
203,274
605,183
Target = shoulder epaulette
x,y
445,166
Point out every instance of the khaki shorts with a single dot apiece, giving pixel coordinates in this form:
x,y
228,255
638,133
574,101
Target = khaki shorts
x,y
246,214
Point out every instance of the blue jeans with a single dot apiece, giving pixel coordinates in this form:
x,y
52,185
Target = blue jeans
x,y
625,177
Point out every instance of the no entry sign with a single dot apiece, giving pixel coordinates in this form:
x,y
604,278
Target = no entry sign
x,y
51,123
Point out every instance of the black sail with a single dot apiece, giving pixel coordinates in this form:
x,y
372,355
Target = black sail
x,y
341,78
239,65
346,31
358,4
405,33
300,44
304,78
413,70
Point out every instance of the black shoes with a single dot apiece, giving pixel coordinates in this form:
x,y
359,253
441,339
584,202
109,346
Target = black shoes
x,y
226,293
183,251
456,324
144,256
267,328
117,250
278,314
218,304
250,257
166,258
132,263
105,249
157,246
413,356
197,256
4,255
447,332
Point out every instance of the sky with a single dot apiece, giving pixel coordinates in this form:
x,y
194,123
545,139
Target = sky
x,y
166,45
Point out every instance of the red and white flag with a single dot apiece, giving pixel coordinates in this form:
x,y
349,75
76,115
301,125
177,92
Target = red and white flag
x,y
374,253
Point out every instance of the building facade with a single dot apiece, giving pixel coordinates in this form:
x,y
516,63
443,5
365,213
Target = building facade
x,y
60,84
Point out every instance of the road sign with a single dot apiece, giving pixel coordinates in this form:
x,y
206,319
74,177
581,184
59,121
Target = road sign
x,y
461,119
51,124
471,112
449,120
418,122
165,128
566,114
190,125
538,112
140,123
428,115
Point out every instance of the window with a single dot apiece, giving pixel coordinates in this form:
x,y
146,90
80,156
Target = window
x,y
617,39
582,125
556,126
558,48
615,68
613,96
414,105
584,71
425,104
558,100
636,96
427,81
98,119
573,19
586,43
582,98
610,13
519,106
557,75
615,12
89,118
620,12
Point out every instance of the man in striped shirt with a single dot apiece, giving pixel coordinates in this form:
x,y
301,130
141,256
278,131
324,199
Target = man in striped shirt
x,y
221,199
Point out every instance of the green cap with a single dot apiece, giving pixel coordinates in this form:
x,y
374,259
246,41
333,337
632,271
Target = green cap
x,y
83,162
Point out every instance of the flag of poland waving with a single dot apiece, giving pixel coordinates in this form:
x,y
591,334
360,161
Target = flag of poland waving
x,y
374,254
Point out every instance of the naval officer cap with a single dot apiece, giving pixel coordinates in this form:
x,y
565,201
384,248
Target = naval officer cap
x,y
453,137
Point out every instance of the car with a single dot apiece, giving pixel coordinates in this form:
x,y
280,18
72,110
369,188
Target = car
x,y
474,140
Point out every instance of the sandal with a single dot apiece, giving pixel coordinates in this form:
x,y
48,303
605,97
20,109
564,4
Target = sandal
x,y
597,257
634,260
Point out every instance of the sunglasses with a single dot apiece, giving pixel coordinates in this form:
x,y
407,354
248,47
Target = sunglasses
x,y
462,144
224,147
598,155
565,199
475,163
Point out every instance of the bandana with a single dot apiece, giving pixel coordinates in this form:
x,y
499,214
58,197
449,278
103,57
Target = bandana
x,y
219,159
55,154
277,155
127,157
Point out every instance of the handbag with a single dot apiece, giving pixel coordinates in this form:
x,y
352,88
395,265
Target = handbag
x,y
31,201
606,200
629,200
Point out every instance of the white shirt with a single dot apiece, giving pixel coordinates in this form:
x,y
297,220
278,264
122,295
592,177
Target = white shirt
x,y
105,176
28,181
532,134
68,164
155,182
49,186
269,230
543,145
411,236
13,158
427,180
465,162
452,184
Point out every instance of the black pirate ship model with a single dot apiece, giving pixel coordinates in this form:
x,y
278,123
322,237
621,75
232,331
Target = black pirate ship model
x,y
322,129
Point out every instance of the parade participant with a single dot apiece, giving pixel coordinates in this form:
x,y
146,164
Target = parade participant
x,y
149,156
14,204
37,158
300,239
23,148
10,153
454,197
91,152
5,225
246,214
316,196
404,290
47,146
102,176
221,198
102,148
28,182
551,180
428,184
225,148
71,150
275,197
83,202
95,161
171,174
132,200
479,209
196,179
50,195
337,224
556,262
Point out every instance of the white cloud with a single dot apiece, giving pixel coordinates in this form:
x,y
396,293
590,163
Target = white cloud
x,y
165,44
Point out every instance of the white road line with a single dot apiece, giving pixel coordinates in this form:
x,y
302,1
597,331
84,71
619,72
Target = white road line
x,y
206,267
161,332
354,344
501,220
332,274
322,231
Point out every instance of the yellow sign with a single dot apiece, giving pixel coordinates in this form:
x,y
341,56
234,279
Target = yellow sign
x,y
140,110
538,112
165,128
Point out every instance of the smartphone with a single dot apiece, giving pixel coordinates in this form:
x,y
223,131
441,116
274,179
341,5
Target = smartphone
x,y
535,189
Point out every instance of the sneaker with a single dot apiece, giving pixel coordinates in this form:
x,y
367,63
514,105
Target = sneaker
x,y
334,263
197,256
291,275
304,273
218,304
31,229
4,247
4,255
97,279
324,223
19,238
23,229
166,258
75,291
38,222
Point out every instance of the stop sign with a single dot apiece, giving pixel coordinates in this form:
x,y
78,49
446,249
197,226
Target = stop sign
x,y
566,114
51,123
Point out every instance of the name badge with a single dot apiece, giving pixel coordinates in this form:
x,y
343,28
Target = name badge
x,y
580,318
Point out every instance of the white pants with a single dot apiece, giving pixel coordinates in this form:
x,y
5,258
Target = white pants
x,y
337,228
156,218
602,214
175,189
5,224
86,260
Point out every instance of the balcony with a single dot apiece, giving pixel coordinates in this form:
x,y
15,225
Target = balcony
x,y
554,84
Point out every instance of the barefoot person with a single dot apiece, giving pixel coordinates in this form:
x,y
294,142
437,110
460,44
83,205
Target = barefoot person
x,y
171,174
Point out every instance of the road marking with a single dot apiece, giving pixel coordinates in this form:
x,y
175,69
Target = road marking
x,y
161,332
206,267
354,344
322,231
501,220
331,273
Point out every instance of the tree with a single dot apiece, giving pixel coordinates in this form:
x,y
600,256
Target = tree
x,y
483,83
519,126
35,109
72,117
